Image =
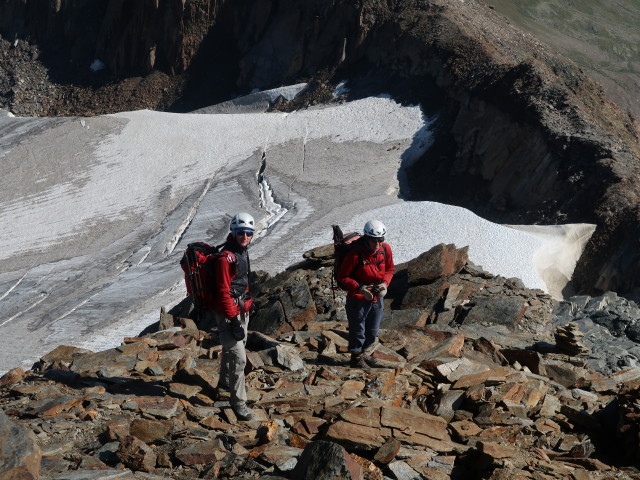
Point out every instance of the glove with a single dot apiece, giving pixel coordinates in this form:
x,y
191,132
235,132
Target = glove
x,y
382,289
236,328
366,292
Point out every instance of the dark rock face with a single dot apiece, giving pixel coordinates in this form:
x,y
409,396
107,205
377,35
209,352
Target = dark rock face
x,y
324,460
609,326
525,137
285,304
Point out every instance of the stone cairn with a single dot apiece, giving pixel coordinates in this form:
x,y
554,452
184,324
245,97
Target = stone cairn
x,y
569,339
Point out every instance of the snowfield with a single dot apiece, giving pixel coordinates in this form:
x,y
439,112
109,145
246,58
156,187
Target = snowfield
x,y
96,212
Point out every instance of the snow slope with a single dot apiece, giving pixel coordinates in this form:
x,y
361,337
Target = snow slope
x,y
95,212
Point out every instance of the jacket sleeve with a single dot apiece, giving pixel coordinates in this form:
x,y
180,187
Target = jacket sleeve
x,y
389,267
346,270
222,279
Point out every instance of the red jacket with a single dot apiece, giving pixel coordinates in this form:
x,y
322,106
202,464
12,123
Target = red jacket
x,y
362,266
225,271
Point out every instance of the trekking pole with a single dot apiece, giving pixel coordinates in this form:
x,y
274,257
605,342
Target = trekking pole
x,y
194,288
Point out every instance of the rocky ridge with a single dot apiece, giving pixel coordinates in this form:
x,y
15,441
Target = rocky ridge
x,y
470,381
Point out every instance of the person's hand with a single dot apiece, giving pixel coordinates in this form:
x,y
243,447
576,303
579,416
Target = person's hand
x,y
236,328
382,289
365,291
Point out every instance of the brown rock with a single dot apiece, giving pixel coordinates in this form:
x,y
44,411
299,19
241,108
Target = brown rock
x,y
387,452
166,320
496,450
441,260
64,354
405,419
20,455
367,416
465,428
135,347
53,407
12,376
184,391
117,430
200,377
309,427
150,431
496,374
412,438
298,441
356,437
200,453
163,407
267,431
351,389
135,454
213,422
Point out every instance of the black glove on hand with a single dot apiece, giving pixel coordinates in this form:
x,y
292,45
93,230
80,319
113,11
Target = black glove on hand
x,y
236,328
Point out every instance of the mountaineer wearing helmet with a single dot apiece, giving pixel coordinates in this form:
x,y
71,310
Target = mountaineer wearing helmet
x,y
232,303
366,272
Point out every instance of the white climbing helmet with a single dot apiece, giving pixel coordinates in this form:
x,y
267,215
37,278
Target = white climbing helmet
x,y
242,221
375,229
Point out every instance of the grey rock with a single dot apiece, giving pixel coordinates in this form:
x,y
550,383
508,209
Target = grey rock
x,y
107,453
288,358
402,471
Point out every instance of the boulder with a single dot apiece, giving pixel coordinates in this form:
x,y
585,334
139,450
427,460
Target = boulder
x,y
440,261
19,453
135,454
12,376
324,460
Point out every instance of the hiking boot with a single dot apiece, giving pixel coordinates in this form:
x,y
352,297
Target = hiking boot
x,y
243,412
357,361
371,361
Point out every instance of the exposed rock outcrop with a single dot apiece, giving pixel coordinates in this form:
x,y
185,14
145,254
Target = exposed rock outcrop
x,y
445,401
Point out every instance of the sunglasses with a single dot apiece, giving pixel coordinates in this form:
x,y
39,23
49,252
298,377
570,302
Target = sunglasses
x,y
376,239
248,233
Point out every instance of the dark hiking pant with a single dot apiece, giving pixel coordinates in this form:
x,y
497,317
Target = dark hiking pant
x,y
364,322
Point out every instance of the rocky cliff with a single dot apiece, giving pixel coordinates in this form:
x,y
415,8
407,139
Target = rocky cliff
x,y
523,136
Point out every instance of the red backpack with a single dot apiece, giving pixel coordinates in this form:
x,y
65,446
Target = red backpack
x,y
197,264
342,244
